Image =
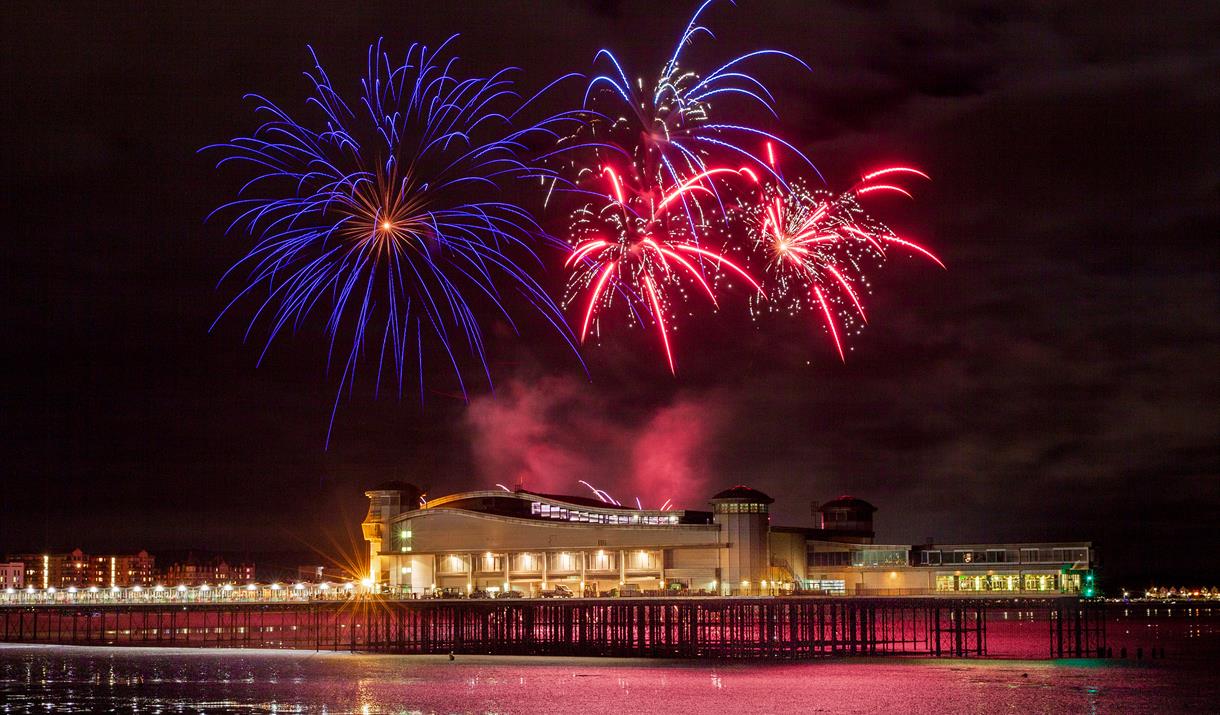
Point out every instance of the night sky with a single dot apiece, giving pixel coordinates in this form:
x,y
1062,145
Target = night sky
x,y
1059,381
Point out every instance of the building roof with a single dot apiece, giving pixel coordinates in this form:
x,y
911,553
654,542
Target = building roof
x,y
395,486
742,493
578,500
848,502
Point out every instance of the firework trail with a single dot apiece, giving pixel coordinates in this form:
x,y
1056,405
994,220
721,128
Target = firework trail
x,y
606,498
386,214
664,157
819,247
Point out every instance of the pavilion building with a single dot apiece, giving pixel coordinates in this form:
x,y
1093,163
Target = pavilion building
x,y
495,541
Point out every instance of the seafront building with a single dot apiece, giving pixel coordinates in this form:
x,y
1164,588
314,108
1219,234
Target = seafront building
x,y
521,541
194,571
12,575
78,569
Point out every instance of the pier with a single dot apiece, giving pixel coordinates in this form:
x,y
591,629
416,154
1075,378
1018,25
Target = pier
x,y
723,628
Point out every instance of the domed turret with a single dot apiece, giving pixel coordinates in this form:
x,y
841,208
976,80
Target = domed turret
x,y
847,518
745,557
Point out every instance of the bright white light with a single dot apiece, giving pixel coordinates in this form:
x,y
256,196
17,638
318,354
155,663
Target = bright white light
x,y
72,589
349,586
299,586
51,590
159,588
324,587
251,587
275,587
228,587
366,582
137,589
204,587
181,588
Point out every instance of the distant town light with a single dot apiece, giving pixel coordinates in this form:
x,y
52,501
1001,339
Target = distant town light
x,y
72,589
204,587
137,589
51,589
251,587
228,587
324,587
158,588
366,582
349,585
181,588
275,587
298,587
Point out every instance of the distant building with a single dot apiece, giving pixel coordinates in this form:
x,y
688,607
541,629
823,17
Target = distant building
x,y
530,542
12,575
78,569
214,570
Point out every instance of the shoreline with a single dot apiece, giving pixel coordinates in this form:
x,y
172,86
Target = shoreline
x,y
551,660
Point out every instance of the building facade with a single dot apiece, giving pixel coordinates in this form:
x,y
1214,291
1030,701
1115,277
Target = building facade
x,y
522,541
211,571
12,575
76,569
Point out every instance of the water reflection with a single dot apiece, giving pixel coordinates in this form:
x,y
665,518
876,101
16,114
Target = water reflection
x,y
59,679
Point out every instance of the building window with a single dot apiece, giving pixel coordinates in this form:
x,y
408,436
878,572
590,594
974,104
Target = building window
x,y
601,561
452,564
829,558
642,561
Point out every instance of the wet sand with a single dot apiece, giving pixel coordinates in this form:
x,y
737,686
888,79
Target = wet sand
x,y
85,679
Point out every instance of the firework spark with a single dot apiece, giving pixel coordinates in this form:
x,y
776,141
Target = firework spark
x,y
628,246
662,132
819,247
387,215
606,498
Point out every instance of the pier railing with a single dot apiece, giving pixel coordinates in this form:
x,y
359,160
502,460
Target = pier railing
x,y
776,627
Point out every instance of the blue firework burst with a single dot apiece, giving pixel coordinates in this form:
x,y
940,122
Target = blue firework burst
x,y
389,216
661,131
